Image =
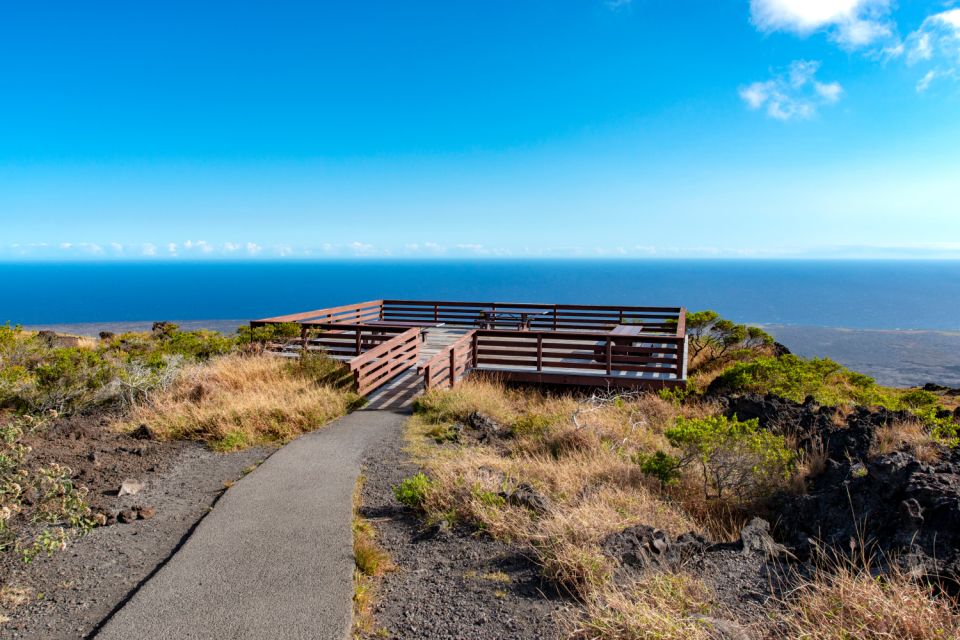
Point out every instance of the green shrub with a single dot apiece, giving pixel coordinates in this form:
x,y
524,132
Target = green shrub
x,y
718,338
490,499
268,333
732,455
831,384
196,345
412,492
67,380
795,378
660,465
40,508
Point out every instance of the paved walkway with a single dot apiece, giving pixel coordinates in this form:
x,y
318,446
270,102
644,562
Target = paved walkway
x,y
274,559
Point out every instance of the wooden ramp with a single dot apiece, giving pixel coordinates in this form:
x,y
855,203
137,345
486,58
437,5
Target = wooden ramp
x,y
401,391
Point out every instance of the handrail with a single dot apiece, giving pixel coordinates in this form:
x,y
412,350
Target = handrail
x,y
546,351
331,312
384,348
446,364
385,361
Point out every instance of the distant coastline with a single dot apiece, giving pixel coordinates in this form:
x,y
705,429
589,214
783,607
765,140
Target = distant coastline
x,y
899,358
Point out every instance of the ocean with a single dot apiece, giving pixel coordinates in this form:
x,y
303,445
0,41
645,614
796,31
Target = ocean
x,y
851,294
896,320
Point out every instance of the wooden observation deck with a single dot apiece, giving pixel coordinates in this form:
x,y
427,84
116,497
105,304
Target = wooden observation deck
x,y
397,348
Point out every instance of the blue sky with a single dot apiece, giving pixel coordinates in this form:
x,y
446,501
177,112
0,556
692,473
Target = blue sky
x,y
727,128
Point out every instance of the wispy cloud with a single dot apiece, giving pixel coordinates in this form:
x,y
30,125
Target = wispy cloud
x,y
793,94
853,24
936,44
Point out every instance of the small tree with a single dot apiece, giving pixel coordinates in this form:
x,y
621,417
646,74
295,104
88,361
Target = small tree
x,y
708,333
732,455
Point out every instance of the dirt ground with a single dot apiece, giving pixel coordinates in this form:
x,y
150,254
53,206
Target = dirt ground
x,y
69,594
450,583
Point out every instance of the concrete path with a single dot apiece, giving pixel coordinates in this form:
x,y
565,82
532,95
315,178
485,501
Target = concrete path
x,y
274,559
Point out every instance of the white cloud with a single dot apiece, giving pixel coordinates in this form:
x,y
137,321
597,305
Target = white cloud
x,y
830,91
148,249
925,81
285,250
91,247
853,24
230,247
253,248
172,248
66,245
936,41
362,249
792,95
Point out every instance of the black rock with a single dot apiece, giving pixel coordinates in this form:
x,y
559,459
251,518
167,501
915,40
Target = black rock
x,y
526,496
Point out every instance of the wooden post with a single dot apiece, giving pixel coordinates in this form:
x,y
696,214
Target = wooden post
x,y
539,352
358,341
436,315
303,337
556,310
609,356
476,342
426,378
453,367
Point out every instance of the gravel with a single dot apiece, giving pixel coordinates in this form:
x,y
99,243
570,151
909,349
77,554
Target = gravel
x,y
450,583
74,590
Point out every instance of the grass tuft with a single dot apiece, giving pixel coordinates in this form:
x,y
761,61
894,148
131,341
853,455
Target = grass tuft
x,y
235,401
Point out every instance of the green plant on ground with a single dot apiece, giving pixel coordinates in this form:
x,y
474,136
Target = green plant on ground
x,y
732,456
831,384
660,465
795,378
45,502
532,424
412,492
268,333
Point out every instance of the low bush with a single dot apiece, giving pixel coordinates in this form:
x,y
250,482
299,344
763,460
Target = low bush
x,y
268,333
732,456
796,378
412,492
831,384
660,465
40,506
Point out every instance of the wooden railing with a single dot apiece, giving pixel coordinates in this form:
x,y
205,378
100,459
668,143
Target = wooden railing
x,y
359,313
450,364
385,361
495,315
342,340
530,316
589,353
574,344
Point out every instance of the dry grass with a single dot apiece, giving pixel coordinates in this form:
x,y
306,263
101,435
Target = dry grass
x,y
846,602
909,434
662,606
371,563
580,456
577,454
238,401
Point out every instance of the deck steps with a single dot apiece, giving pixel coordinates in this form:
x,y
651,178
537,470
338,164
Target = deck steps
x,y
400,391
